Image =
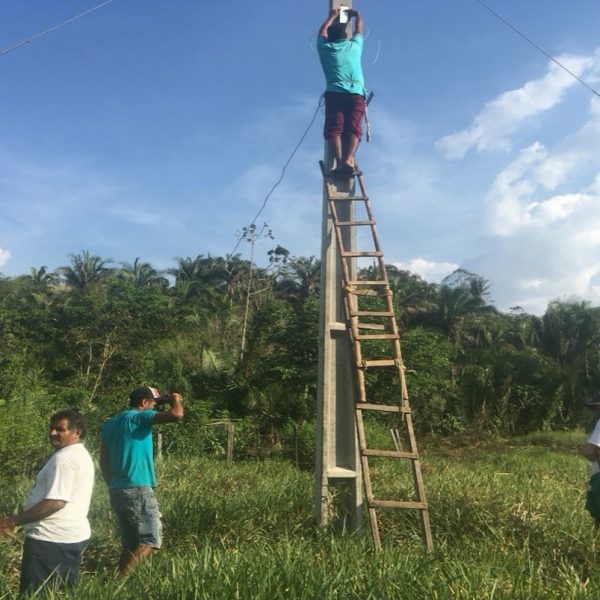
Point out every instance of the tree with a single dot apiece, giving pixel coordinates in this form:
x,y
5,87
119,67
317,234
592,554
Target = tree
x,y
412,295
85,269
40,279
143,274
299,278
460,297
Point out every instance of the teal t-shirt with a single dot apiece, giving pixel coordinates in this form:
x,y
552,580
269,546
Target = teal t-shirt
x,y
341,63
128,439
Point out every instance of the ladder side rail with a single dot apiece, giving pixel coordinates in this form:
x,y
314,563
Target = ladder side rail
x,y
420,488
352,322
373,519
339,241
362,186
376,239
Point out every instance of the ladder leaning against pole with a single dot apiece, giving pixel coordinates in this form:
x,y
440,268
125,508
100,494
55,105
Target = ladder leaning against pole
x,y
375,340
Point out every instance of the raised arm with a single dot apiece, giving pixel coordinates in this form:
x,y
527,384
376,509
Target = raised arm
x,y
174,414
358,23
333,15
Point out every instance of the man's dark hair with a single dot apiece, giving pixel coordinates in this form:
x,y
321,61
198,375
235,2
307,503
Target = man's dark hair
x,y
75,419
336,32
140,394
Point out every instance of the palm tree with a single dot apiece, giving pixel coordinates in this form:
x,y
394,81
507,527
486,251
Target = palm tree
x,y
236,273
413,296
85,269
188,275
567,331
301,277
143,273
42,279
461,297
188,269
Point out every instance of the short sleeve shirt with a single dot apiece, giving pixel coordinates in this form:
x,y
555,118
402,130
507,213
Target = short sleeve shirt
x,y
128,439
69,476
341,63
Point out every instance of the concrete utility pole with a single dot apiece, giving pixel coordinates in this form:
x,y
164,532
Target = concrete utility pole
x,y
338,481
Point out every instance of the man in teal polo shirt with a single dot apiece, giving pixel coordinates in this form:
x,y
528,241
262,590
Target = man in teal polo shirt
x,y
127,464
345,92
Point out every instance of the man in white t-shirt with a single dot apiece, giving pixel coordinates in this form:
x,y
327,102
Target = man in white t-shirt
x,y
54,516
591,450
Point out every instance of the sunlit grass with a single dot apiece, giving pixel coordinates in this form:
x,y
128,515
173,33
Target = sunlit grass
x,y
507,517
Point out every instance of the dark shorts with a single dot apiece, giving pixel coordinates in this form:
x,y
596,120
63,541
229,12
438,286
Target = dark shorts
x,y
49,563
344,114
138,516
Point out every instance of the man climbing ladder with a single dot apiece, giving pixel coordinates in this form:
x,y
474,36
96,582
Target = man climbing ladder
x,y
345,92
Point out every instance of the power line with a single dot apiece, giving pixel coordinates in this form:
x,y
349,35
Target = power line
x,y
591,89
289,160
37,35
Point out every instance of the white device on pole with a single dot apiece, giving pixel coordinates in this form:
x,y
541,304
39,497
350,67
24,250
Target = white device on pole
x,y
343,14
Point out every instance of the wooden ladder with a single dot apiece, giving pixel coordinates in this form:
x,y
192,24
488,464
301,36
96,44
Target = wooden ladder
x,y
375,340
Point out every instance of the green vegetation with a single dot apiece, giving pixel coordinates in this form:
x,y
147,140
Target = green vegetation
x,y
240,343
507,516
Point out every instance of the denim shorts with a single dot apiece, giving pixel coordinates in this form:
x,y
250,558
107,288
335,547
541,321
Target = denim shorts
x,y
138,516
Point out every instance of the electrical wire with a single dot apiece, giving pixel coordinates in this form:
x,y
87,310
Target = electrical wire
x,y
37,35
591,89
285,166
378,51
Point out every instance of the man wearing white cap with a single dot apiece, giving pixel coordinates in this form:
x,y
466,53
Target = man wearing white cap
x,y
127,464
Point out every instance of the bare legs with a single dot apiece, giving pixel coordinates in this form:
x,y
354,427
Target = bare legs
x,y
350,146
336,148
344,150
131,558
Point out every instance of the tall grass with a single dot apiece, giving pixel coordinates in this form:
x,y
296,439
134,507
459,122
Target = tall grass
x,y
508,522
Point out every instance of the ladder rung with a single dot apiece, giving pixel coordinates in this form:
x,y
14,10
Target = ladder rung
x,y
361,254
350,223
341,473
378,363
390,453
397,504
382,293
346,196
372,313
379,326
377,336
367,282
383,407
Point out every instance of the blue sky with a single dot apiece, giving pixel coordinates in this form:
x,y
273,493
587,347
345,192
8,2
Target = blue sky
x,y
155,129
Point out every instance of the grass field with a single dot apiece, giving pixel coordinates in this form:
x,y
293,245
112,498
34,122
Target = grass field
x,y
507,516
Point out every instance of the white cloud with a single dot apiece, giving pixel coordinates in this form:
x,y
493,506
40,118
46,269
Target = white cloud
x,y
556,208
555,169
510,191
493,127
546,245
531,284
518,196
5,256
427,269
